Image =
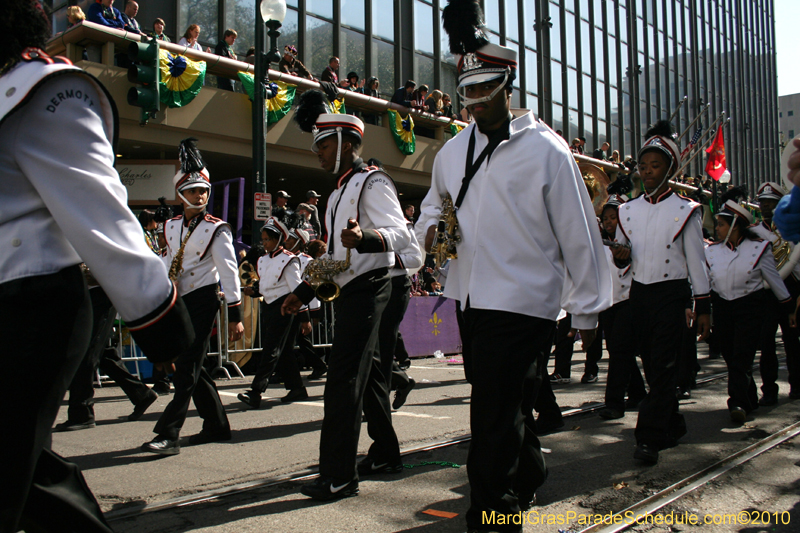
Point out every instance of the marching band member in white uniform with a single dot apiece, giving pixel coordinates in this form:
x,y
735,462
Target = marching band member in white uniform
x,y
200,256
664,230
364,217
623,371
62,203
530,245
738,266
769,194
278,275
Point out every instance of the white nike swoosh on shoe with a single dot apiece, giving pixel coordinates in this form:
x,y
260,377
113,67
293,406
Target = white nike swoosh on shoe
x,y
377,467
334,490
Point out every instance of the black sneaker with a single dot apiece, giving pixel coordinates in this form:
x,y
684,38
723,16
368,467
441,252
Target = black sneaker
x,y
401,394
162,446
646,453
74,426
326,488
738,415
162,389
369,467
141,407
589,378
251,398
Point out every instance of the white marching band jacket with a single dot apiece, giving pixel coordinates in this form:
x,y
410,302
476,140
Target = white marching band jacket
x,y
278,274
765,232
737,271
208,258
620,279
305,259
45,177
666,240
530,243
410,259
368,196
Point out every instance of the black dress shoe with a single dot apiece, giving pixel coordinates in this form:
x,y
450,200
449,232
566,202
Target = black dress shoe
x,y
683,394
646,453
632,404
162,389
368,467
738,415
768,400
251,398
74,426
610,414
162,446
141,407
205,436
401,394
318,373
326,488
295,395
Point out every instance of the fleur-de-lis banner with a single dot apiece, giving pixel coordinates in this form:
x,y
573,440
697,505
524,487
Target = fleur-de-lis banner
x,y
181,78
403,132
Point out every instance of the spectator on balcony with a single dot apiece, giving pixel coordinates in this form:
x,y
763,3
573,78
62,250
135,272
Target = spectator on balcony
x,y
372,89
402,96
434,103
105,14
289,64
330,72
447,107
615,156
418,98
575,147
602,152
190,39
74,16
131,9
312,199
158,31
224,48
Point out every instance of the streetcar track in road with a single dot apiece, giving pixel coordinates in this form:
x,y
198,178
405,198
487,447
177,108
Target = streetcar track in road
x,y
661,499
312,471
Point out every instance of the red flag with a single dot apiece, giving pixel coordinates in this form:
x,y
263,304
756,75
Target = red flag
x,y
716,156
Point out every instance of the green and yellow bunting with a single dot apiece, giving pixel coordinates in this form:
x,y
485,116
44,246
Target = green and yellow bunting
x,y
403,132
337,107
455,129
181,78
279,105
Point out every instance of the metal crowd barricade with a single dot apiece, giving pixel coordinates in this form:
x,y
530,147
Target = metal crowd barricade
x,y
321,337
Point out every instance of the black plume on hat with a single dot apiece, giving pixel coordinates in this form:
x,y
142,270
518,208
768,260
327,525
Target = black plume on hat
x,y
463,22
311,105
734,193
622,185
294,221
189,155
663,128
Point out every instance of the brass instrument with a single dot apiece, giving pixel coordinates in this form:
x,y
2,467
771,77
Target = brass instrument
x,y
320,274
176,267
446,239
780,248
597,182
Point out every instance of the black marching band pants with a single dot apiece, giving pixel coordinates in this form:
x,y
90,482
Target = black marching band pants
x,y
81,390
623,371
356,381
45,324
191,380
768,364
277,328
659,319
390,330
738,334
503,354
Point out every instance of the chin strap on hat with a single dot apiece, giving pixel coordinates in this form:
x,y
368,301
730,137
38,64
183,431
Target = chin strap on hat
x,y
188,203
338,151
472,101
666,178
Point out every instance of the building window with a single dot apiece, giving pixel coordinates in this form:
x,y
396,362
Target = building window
x,y
780,115
791,134
791,113
353,13
383,20
203,13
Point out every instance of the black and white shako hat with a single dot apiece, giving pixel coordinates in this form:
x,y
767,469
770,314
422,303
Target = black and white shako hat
x,y
333,123
489,62
733,210
276,228
193,172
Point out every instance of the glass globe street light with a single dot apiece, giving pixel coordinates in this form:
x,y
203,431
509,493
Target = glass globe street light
x,y
269,13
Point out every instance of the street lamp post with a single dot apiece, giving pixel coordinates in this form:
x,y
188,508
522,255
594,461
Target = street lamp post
x,y
269,13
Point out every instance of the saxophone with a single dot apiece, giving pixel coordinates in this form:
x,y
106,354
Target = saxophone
x,y
780,248
446,239
320,274
176,267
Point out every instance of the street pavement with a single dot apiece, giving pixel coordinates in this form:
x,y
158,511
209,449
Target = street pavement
x,y
590,462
